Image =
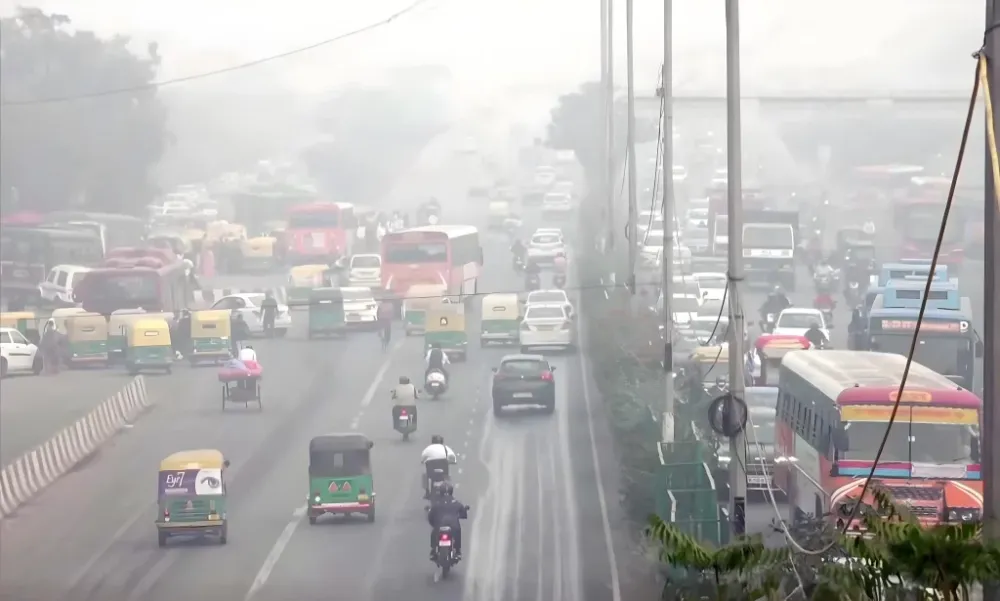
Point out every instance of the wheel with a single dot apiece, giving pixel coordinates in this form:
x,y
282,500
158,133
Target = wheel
x,y
162,538
133,370
525,349
497,409
312,520
223,537
37,365
550,407
281,333
406,436
3,367
445,570
169,370
371,514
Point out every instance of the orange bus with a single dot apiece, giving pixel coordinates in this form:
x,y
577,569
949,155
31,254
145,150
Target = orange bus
x,y
833,410
443,254
319,232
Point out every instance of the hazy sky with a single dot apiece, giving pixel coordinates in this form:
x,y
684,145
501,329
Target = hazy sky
x,y
850,45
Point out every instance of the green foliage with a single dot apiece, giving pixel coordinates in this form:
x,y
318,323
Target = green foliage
x,y
94,152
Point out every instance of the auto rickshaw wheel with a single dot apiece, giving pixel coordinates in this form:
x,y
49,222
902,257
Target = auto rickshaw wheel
x,y
170,370
371,514
3,368
162,538
36,366
224,535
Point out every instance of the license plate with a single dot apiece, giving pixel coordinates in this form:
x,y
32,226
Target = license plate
x,y
522,395
404,420
757,480
214,516
444,543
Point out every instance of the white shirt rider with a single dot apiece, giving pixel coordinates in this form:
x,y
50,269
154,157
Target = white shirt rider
x,y
437,452
248,354
444,357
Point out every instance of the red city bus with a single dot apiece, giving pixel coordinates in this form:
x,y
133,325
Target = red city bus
x,y
320,232
442,254
833,410
136,278
918,223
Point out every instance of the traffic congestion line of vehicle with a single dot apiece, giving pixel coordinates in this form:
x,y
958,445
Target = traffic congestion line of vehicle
x,y
34,471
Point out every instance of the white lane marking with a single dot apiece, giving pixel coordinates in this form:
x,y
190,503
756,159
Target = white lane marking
x,y
542,504
279,547
571,563
602,500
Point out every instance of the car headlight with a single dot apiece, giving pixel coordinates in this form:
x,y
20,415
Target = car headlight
x,y
964,514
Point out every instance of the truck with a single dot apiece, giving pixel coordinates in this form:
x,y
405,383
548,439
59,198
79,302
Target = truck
x,y
769,244
718,218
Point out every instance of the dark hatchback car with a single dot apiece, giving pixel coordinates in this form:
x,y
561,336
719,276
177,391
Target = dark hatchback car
x,y
524,380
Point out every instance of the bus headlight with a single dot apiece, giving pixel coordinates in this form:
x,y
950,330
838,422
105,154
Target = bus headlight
x,y
963,514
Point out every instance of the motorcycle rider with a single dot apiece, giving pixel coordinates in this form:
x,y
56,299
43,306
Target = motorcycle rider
x,y
815,336
518,249
559,269
775,303
437,455
268,311
447,511
405,391
436,359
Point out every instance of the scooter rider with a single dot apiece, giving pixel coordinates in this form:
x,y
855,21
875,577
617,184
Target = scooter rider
x,y
775,303
436,455
815,336
518,250
436,359
447,511
404,391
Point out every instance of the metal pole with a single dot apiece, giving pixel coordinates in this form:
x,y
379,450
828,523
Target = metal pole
x,y
630,71
609,92
737,384
991,308
668,209
604,182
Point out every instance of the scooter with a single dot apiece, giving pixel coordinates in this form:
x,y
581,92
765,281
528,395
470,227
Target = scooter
x,y
767,326
404,418
559,280
436,383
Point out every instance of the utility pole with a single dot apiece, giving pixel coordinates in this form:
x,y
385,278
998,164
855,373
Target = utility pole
x,y
991,307
668,209
630,153
605,186
608,50
737,382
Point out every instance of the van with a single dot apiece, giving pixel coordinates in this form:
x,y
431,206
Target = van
x,y
57,289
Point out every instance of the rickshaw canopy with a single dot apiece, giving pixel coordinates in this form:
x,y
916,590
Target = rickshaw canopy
x,y
306,274
212,323
711,354
11,319
339,443
122,318
259,246
149,332
86,326
326,296
61,317
445,318
501,307
194,459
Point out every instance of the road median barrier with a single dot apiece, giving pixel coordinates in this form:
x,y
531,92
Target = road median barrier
x,y
31,473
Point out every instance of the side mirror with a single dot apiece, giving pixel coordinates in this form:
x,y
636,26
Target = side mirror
x,y
226,462
840,439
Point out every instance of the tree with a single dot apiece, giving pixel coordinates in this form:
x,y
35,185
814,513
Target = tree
x,y
576,125
373,133
92,152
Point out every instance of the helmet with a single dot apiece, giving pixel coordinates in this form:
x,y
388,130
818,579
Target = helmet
x,y
437,439
447,489
404,380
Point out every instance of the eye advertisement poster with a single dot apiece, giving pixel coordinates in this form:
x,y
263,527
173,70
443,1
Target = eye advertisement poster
x,y
191,482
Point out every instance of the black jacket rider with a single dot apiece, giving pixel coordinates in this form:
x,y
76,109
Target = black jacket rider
x,y
447,511
775,303
815,336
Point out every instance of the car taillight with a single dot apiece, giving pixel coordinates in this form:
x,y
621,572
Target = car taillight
x,y
547,376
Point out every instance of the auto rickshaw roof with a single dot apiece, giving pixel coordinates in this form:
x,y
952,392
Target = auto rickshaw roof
x,y
308,269
711,353
210,315
326,294
193,459
337,443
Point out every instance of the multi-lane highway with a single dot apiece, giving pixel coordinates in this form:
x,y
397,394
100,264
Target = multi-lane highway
x,y
538,529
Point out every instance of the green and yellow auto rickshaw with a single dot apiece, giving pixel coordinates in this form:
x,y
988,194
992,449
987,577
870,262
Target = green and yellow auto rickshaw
x,y
501,319
210,336
446,326
192,495
61,315
340,476
118,325
23,321
87,340
302,279
418,299
258,253
148,346
326,312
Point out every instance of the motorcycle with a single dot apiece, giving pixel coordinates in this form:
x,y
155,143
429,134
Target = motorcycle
x,y
518,263
559,280
404,419
445,556
767,326
533,281
436,383
853,293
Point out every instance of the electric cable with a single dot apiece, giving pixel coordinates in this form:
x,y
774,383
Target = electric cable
x,y
260,61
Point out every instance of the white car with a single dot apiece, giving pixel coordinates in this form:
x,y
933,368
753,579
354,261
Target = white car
x,y
547,326
649,221
545,176
680,173
557,202
248,305
713,285
57,289
563,187
549,297
651,248
365,270
545,246
684,308
685,284
796,321
682,257
18,354
360,307
697,217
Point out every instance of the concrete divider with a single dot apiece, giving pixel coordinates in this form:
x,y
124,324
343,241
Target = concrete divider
x,y
35,470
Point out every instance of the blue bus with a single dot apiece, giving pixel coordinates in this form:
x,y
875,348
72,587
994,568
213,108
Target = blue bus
x,y
906,269
948,344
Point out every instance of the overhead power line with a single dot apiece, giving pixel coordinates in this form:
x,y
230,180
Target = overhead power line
x,y
254,63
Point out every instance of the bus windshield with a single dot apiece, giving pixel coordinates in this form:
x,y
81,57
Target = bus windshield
x,y
124,287
423,252
943,354
308,219
940,444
